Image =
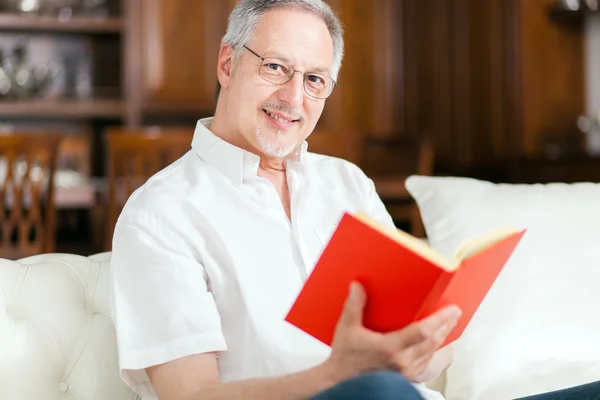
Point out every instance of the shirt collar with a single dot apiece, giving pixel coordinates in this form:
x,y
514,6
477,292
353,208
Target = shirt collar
x,y
232,161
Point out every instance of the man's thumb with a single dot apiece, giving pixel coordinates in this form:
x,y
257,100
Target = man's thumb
x,y
354,305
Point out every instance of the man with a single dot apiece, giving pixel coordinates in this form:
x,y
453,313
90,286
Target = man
x,y
210,253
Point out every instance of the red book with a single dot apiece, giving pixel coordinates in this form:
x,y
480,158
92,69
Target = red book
x,y
404,278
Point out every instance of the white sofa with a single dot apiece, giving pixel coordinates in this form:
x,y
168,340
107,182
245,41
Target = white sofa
x,y
538,329
57,340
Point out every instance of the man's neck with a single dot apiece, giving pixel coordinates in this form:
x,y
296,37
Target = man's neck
x,y
278,179
271,164
268,163
270,168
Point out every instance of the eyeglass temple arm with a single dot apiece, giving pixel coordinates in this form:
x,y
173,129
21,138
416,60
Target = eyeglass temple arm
x,y
252,51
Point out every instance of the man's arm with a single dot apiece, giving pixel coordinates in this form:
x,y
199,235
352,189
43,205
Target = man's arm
x,y
197,378
355,350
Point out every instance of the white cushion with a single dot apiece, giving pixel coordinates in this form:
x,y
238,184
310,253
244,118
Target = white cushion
x,y
539,327
57,339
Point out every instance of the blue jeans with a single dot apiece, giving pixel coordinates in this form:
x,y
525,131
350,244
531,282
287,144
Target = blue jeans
x,y
387,385
384,385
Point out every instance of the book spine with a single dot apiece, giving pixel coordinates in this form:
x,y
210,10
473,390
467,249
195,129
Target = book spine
x,y
430,305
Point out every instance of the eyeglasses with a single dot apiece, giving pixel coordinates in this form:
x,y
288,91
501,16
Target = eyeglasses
x,y
274,70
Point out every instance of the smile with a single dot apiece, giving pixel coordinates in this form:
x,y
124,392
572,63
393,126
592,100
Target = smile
x,y
278,118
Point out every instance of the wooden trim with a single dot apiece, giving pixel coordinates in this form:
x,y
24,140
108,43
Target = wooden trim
x,y
410,68
15,22
441,123
386,44
463,147
513,76
97,108
497,122
132,59
153,44
214,29
400,97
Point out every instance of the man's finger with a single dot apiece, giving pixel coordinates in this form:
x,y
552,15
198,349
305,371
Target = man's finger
x,y
418,356
352,314
417,367
424,350
439,323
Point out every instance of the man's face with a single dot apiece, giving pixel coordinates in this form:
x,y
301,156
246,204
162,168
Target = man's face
x,y
275,119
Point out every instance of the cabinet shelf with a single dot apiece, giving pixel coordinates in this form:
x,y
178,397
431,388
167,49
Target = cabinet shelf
x,y
15,22
73,109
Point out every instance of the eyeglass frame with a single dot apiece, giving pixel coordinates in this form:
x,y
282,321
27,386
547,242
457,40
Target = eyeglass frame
x,y
294,70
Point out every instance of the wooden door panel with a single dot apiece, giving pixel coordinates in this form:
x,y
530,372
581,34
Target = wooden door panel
x,y
180,46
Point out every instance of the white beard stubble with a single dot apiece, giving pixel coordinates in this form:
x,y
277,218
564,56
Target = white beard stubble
x,y
269,145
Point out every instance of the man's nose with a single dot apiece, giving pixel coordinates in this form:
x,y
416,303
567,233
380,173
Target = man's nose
x,y
292,92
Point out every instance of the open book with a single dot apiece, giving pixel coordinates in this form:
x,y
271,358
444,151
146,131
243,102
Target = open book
x,y
405,279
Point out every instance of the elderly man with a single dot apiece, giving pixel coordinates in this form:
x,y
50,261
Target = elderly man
x,y
210,253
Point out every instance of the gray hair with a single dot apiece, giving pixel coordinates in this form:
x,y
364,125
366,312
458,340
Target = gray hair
x,y
248,13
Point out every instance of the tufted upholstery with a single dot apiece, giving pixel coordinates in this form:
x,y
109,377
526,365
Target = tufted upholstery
x,y
57,340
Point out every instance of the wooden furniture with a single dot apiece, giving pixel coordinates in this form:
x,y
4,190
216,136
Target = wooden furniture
x,y
491,78
72,45
346,144
27,166
75,188
389,173
102,36
568,169
133,157
412,158
172,56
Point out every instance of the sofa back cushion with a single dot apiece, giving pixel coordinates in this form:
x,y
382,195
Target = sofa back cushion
x,y
538,328
57,339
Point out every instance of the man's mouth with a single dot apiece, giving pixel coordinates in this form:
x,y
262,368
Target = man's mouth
x,y
281,118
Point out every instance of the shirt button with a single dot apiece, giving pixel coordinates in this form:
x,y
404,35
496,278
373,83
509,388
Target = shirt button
x,y
63,387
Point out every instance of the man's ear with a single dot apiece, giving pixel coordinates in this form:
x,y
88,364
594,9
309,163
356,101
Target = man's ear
x,y
225,65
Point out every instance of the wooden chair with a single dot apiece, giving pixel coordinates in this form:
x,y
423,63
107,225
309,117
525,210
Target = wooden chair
x,y
27,212
410,157
388,161
133,157
346,144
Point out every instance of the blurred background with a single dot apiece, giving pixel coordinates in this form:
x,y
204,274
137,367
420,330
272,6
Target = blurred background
x,y
96,95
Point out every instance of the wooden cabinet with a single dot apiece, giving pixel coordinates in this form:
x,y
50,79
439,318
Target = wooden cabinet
x,y
486,80
173,48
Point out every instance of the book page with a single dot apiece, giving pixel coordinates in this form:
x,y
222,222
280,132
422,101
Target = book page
x,y
417,245
479,243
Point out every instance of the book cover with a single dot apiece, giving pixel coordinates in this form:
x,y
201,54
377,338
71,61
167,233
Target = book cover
x,y
405,280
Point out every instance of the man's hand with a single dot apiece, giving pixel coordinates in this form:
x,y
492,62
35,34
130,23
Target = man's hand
x,y
357,350
439,363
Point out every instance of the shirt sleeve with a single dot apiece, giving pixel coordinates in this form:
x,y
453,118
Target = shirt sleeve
x,y
160,304
377,209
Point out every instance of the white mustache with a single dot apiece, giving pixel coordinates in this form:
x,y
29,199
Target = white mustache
x,y
284,109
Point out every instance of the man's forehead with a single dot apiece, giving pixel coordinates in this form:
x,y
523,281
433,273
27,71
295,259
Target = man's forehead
x,y
313,64
298,38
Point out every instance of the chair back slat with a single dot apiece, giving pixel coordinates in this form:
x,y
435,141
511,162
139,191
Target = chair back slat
x,y
133,157
27,215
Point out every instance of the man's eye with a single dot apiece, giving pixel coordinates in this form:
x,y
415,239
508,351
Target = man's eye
x,y
275,67
316,79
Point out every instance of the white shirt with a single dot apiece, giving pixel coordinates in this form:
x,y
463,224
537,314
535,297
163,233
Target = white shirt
x,y
205,259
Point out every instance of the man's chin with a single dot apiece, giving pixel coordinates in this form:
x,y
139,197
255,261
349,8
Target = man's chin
x,y
279,150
